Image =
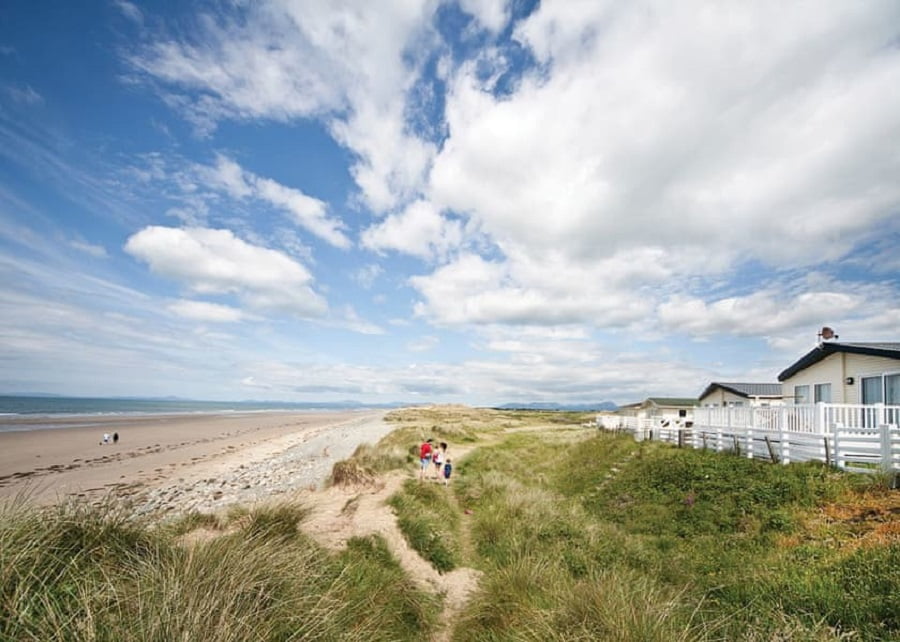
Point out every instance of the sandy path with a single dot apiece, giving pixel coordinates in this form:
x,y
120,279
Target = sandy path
x,y
339,513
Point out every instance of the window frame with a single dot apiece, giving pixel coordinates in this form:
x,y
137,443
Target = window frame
x,y
817,392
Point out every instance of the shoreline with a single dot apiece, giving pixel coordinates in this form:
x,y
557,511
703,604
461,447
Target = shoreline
x,y
181,461
26,422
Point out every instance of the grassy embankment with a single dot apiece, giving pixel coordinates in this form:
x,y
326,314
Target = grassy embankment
x,y
586,536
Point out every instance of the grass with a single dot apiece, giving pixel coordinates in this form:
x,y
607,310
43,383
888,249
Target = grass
x,y
430,522
81,573
579,535
593,536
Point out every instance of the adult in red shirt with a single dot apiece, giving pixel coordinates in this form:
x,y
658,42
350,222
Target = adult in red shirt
x,y
425,452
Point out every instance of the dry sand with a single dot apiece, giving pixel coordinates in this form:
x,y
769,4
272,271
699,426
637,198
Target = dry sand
x,y
180,462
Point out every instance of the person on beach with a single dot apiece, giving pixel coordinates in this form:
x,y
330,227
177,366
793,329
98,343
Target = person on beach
x,y
440,453
105,439
425,451
448,469
115,437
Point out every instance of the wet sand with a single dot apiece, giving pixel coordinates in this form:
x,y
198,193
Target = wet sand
x,y
157,451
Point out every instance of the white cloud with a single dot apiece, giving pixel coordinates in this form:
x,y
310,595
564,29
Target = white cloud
x,y
130,11
758,314
97,251
661,145
346,63
471,289
367,274
423,344
205,311
418,230
308,212
209,261
492,14
350,320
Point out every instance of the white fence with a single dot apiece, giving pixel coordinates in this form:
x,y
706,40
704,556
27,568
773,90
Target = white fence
x,y
854,437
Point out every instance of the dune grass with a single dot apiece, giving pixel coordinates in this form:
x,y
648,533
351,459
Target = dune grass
x,y
82,573
593,536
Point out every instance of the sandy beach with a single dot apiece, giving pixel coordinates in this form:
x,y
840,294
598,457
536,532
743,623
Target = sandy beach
x,y
179,462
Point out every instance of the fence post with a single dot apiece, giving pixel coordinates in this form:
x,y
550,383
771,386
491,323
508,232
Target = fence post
x,y
820,417
784,439
720,446
879,414
750,433
836,431
886,459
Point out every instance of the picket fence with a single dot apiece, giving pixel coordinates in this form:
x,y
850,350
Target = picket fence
x,y
859,438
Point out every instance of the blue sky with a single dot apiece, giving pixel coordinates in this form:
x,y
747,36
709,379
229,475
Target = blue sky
x,y
480,201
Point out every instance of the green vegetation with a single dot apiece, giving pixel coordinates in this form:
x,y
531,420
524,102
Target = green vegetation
x,y
578,535
430,522
598,537
81,573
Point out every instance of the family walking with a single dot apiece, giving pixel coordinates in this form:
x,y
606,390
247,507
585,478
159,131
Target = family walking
x,y
434,459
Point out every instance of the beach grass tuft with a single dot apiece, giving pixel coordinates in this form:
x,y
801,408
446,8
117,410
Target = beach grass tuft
x,y
78,572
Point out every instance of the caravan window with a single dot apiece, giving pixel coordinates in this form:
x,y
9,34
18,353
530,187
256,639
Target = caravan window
x,y
871,390
823,392
801,394
892,389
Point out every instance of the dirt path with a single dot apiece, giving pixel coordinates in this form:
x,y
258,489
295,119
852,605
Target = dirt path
x,y
337,514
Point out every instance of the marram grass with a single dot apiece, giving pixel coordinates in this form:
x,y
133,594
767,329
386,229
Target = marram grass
x,y
82,573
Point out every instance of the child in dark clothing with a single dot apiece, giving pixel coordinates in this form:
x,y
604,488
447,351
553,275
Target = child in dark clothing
x,y
448,468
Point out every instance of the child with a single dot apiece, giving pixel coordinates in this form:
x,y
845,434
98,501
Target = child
x,y
448,468
438,459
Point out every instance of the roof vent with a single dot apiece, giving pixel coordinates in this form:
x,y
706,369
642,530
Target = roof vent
x,y
827,334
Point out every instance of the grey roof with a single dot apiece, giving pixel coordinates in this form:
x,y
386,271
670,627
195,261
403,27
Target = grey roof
x,y
746,390
890,350
671,401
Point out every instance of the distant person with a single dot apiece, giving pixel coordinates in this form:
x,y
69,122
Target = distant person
x,y
105,439
115,437
448,470
440,453
425,451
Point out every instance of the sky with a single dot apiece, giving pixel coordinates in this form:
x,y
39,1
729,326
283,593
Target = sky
x,y
466,201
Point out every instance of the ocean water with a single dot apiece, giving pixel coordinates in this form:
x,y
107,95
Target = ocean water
x,y
36,413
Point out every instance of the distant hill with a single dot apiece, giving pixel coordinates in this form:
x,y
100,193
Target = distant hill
x,y
571,407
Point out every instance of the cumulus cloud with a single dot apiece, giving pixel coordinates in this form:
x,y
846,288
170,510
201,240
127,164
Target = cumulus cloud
x,y
216,262
471,289
686,125
760,313
419,230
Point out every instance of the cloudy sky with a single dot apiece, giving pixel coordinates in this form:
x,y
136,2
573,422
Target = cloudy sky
x,y
478,201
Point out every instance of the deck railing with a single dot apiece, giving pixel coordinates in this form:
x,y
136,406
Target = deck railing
x,y
861,438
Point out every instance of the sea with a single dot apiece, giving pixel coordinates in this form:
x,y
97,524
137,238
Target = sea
x,y
39,412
